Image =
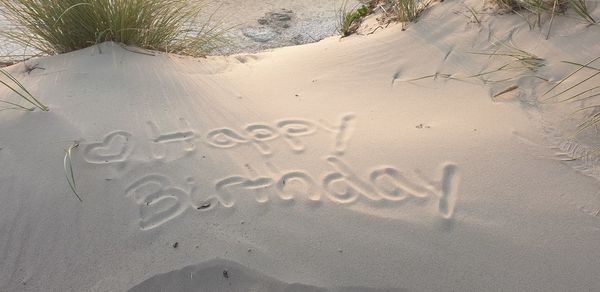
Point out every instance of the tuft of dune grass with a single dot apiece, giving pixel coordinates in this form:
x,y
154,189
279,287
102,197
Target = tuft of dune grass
x,y
410,10
60,26
348,18
539,8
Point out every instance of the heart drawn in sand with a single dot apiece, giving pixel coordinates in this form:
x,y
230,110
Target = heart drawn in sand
x,y
115,147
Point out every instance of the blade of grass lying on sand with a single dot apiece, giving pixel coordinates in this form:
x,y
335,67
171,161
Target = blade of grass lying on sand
x,y
473,14
434,76
15,86
575,98
592,121
581,9
591,92
16,106
68,167
576,85
568,76
584,66
551,18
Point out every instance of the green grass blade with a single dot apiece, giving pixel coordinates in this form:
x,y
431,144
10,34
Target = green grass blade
x,y
21,91
568,76
574,86
68,167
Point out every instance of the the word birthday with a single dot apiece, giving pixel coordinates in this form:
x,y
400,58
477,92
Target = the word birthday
x,y
159,201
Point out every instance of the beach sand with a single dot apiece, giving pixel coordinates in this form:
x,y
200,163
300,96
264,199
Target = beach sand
x,y
257,25
319,167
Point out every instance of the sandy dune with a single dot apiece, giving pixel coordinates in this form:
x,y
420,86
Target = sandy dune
x,y
309,168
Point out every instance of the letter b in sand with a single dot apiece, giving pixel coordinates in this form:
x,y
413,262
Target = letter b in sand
x,y
158,202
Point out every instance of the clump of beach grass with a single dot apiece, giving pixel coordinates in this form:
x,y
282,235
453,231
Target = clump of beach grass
x,y
540,8
522,60
537,9
60,26
512,63
348,18
9,81
409,10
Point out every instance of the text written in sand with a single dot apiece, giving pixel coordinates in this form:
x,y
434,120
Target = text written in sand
x,y
160,200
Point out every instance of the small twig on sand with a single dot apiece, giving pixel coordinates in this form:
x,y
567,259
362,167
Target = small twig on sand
x,y
506,90
382,27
